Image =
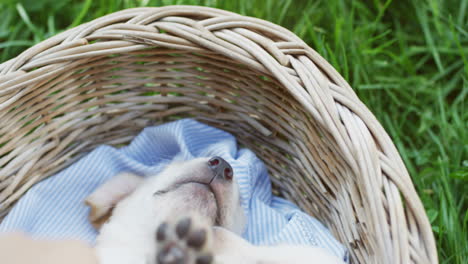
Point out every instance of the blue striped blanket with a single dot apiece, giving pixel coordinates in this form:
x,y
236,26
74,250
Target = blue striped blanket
x,y
54,208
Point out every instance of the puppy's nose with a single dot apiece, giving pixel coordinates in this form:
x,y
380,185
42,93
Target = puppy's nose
x,y
221,167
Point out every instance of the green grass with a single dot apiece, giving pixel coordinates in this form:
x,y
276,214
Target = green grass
x,y
407,60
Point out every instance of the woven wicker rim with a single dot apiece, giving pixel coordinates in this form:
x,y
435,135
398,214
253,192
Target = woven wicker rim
x,y
103,81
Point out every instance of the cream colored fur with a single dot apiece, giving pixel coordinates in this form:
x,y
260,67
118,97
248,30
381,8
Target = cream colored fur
x,y
141,205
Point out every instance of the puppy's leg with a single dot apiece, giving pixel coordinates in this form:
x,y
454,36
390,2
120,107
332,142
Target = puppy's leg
x,y
230,248
105,197
185,241
286,254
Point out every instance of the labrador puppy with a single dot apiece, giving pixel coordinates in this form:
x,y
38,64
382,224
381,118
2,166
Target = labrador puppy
x,y
190,213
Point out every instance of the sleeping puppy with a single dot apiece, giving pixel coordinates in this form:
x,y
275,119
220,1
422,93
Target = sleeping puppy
x,y
190,213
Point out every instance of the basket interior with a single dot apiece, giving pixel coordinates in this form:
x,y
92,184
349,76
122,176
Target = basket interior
x,y
110,99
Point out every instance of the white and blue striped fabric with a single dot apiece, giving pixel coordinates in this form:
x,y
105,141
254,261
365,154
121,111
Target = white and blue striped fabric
x,y
54,208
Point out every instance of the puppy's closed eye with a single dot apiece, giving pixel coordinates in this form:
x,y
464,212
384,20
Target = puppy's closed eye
x,y
160,192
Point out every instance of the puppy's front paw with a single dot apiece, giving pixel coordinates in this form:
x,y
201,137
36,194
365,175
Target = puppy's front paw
x,y
185,242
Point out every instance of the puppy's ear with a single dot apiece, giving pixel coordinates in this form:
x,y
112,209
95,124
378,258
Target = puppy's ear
x,y
103,200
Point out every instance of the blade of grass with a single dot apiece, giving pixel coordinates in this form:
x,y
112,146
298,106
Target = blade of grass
x,y
24,16
84,10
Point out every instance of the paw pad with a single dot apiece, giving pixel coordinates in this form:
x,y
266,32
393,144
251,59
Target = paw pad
x,y
182,243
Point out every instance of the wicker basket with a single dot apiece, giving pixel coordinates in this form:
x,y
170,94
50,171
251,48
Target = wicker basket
x,y
104,81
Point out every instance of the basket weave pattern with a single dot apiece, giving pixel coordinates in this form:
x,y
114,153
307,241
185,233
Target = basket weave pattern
x,y
104,81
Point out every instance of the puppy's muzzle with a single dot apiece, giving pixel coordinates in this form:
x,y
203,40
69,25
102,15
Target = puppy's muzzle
x,y
220,168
